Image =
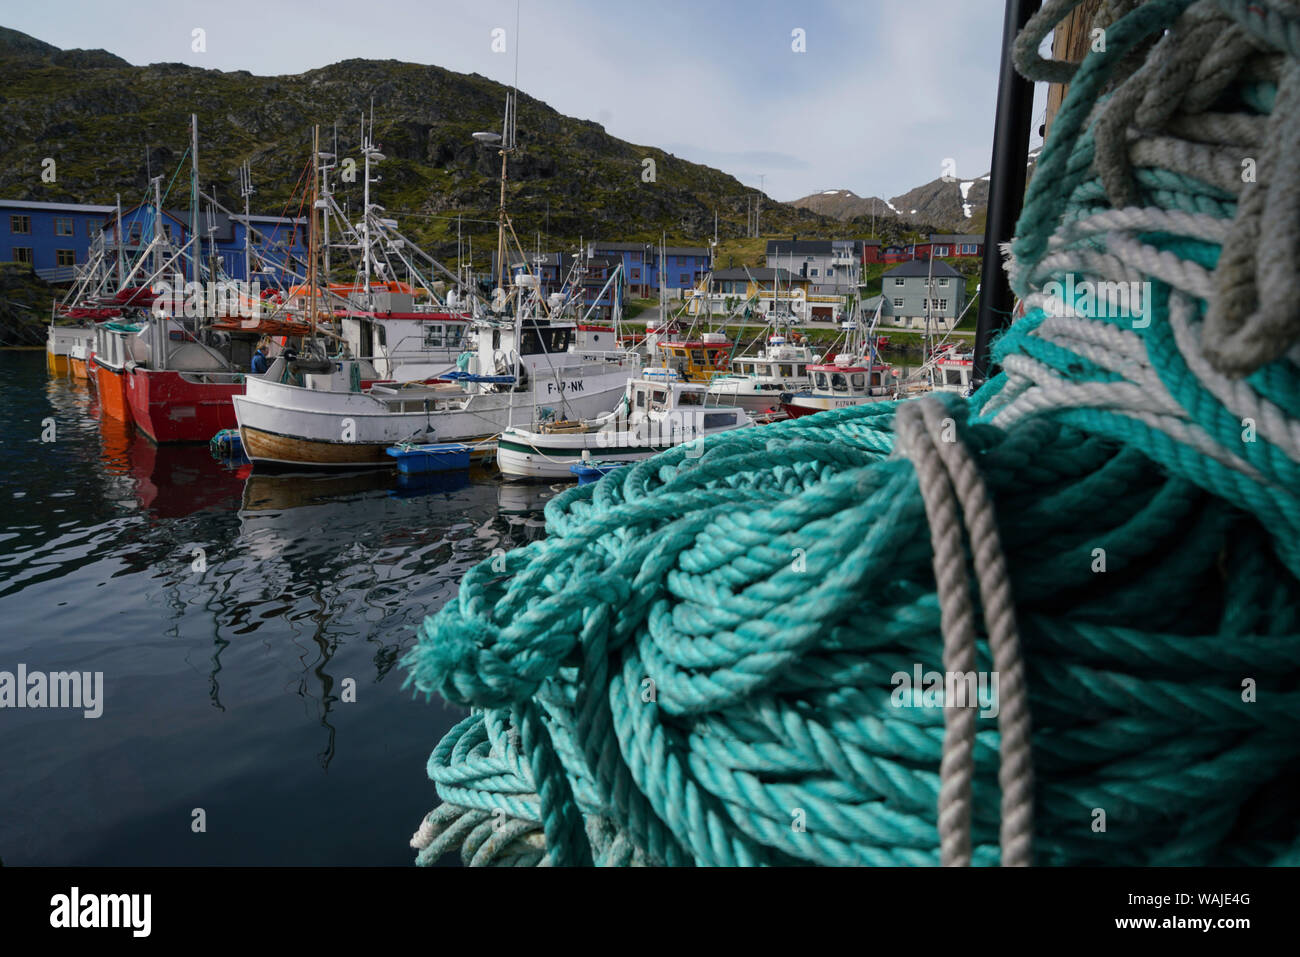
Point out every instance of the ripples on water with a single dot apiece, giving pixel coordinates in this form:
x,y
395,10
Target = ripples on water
x,y
223,687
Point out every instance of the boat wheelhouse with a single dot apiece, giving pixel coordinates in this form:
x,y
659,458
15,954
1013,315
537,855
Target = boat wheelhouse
x,y
845,382
694,360
658,411
757,382
65,346
953,372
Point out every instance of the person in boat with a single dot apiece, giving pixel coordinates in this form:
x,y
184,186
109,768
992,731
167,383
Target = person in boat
x,y
260,364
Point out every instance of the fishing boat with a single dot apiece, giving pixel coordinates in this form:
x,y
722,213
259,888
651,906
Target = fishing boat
x,y
109,365
756,382
952,371
657,412
64,345
846,381
324,416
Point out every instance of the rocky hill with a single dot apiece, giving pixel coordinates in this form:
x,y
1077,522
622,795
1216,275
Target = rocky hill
x,y
109,125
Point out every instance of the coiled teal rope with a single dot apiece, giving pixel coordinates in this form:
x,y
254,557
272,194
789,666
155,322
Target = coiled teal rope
x,y
699,663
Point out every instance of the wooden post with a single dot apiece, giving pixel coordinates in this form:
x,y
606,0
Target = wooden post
x,y
1071,41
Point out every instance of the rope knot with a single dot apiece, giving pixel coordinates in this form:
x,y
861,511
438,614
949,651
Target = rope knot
x,y
469,661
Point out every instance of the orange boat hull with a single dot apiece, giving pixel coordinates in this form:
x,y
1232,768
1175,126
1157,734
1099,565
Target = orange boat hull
x,y
111,385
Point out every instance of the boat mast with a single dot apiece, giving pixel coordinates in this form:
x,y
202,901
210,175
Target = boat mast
x,y
366,148
117,235
311,229
196,254
246,190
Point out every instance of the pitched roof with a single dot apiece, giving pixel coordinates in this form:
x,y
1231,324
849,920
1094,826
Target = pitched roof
x,y
956,238
619,247
55,207
921,267
685,251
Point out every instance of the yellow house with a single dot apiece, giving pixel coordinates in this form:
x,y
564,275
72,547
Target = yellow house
x,y
756,289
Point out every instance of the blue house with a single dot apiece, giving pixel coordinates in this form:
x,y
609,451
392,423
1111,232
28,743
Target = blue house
x,y
51,237
54,238
276,242
682,267
555,271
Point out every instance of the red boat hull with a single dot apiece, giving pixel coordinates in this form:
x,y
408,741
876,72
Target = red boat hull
x,y
171,406
795,411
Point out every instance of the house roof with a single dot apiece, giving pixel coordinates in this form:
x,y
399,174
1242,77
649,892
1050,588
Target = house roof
x,y
956,238
685,251
810,247
869,242
620,247
921,267
55,207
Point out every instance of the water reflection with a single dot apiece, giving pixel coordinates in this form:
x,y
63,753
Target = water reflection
x,y
233,614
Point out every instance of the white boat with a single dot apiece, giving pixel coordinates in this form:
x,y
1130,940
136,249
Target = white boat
x,y
845,382
315,413
952,371
757,382
658,412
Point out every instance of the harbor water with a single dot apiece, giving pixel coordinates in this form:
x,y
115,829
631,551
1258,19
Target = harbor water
x,y
248,629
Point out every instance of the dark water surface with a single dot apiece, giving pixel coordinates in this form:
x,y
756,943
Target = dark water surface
x,y
224,687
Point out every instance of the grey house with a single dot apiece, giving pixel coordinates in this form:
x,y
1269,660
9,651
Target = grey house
x,y
905,293
833,267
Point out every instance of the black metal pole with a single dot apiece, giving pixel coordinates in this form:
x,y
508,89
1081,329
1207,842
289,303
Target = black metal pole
x,y
1006,185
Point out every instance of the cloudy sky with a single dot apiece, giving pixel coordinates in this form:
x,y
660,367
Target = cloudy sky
x,y
885,92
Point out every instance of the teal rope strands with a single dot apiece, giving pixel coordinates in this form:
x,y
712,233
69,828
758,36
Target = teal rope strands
x,y
721,655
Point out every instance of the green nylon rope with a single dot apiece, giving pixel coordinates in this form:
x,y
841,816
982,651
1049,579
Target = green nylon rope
x,y
696,665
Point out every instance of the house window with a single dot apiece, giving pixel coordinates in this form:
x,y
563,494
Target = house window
x,y
900,282
65,257
685,279
63,226
23,254
814,272
898,304
20,224
830,271
135,232
636,274
943,282
942,251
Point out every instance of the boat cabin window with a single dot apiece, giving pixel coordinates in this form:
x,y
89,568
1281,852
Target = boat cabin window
x,y
496,339
952,377
640,398
822,382
839,382
433,336
686,397
718,420
763,369
697,357
859,381
546,339
787,370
